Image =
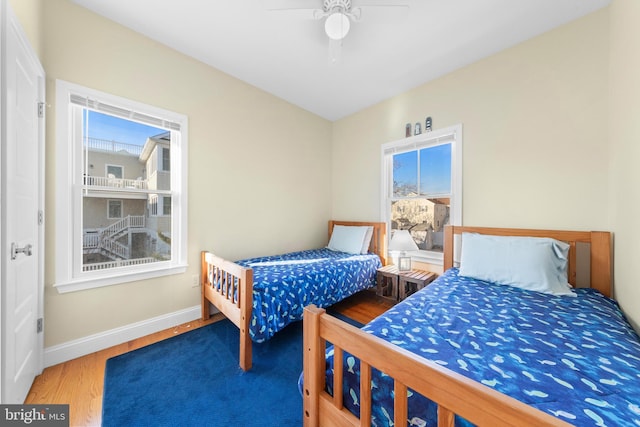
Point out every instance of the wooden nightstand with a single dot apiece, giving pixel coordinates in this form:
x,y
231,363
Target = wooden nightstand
x,y
397,285
387,281
412,281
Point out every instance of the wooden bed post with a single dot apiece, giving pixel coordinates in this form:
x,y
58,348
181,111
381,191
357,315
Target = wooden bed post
x,y
204,279
313,363
245,298
448,243
601,268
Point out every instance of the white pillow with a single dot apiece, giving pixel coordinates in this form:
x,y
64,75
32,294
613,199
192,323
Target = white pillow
x,y
532,263
348,239
367,240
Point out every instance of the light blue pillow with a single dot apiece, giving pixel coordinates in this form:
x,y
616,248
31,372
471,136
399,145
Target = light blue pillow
x,y
367,240
348,239
532,263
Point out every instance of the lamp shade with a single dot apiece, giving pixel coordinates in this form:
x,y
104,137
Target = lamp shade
x,y
401,240
337,26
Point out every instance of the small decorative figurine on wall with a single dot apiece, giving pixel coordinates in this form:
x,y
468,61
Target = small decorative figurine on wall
x,y
418,129
407,130
427,125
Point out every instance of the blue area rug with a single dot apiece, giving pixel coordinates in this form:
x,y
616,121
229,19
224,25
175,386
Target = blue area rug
x,y
194,379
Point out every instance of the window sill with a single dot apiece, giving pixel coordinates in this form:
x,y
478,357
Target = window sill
x,y
85,283
435,259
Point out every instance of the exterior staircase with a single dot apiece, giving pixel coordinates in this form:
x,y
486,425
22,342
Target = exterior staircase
x,y
106,242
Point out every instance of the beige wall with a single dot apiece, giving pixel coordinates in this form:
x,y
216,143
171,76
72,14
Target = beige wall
x,y
624,117
248,151
29,13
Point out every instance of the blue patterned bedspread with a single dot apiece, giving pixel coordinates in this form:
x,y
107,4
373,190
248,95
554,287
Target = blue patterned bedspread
x,y
575,358
284,284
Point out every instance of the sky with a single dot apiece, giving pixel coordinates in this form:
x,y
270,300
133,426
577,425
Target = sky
x,y
435,169
104,126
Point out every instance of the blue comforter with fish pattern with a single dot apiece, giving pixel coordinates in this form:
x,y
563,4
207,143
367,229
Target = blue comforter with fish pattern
x,y
284,284
575,358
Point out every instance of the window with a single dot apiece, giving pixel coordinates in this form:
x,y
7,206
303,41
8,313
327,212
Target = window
x,y
153,205
114,210
166,160
109,191
166,206
422,188
114,171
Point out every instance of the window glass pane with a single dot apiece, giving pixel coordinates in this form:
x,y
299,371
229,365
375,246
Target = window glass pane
x,y
153,205
435,170
122,230
115,171
405,174
166,159
115,209
424,218
166,206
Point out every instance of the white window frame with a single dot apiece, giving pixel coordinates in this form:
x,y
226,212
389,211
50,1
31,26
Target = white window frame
x,y
452,134
69,181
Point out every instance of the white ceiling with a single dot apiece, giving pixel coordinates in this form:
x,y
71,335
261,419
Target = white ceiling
x,y
389,51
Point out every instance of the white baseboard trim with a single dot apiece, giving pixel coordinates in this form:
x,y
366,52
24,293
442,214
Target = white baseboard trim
x,y
92,343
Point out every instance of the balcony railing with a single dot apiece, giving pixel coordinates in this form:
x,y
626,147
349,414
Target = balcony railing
x,y
112,146
111,182
117,263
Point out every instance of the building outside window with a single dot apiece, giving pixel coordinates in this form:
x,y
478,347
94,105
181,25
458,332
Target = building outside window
x,y
120,152
422,188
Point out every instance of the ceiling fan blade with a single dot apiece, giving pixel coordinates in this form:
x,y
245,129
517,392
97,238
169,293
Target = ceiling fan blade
x,y
381,3
300,14
294,9
383,11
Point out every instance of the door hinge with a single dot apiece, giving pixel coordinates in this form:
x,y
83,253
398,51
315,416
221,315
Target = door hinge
x,y
40,109
40,217
39,325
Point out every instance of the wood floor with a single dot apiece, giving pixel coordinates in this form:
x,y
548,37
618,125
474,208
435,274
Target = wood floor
x,y
79,382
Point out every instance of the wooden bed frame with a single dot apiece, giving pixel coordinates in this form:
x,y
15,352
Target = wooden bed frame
x,y
234,298
452,392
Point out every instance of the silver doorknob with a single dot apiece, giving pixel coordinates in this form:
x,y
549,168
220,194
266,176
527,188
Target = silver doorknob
x,y
15,250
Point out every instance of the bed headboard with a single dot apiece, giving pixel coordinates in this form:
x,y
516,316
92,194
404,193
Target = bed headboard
x,y
600,253
378,243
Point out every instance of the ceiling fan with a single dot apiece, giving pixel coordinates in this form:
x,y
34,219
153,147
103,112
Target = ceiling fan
x,y
338,16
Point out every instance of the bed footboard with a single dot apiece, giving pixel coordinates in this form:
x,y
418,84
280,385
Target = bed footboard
x,y
229,287
452,392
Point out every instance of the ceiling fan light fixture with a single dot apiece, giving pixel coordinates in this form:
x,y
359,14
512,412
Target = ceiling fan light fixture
x,y
337,25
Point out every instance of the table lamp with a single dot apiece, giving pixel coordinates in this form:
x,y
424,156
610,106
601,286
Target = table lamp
x,y
401,241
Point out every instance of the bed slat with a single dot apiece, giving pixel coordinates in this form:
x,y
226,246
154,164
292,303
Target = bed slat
x,y
400,407
446,418
365,394
338,373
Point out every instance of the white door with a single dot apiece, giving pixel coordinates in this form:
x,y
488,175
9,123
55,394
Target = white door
x,y
22,229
